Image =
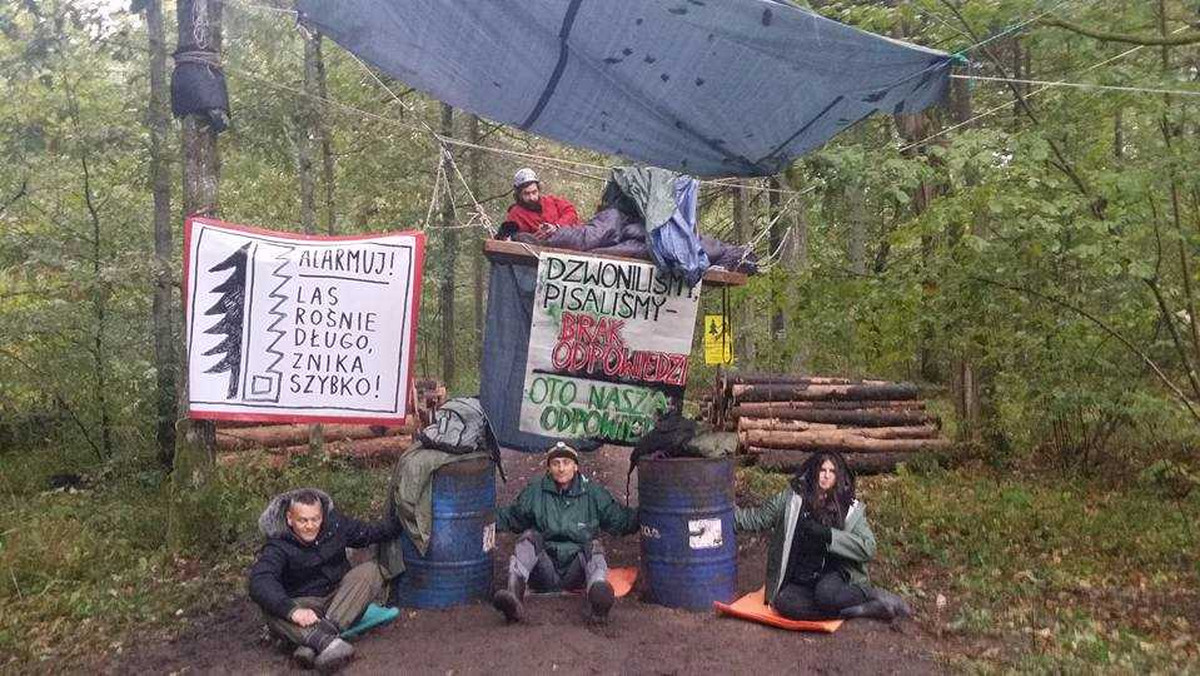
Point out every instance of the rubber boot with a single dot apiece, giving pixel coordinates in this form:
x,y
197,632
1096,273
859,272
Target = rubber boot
x,y
510,601
600,598
334,656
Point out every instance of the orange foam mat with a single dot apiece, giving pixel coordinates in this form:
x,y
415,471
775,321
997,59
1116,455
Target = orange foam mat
x,y
753,607
621,579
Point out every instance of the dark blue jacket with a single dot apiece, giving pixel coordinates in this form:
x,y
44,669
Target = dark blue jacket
x,y
288,568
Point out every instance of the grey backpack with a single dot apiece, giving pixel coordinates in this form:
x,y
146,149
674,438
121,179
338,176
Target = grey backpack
x,y
460,426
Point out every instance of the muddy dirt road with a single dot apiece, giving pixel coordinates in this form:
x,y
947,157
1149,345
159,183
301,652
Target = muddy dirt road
x,y
639,638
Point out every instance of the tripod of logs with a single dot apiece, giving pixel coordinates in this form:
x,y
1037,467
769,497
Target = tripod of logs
x,y
364,445
783,419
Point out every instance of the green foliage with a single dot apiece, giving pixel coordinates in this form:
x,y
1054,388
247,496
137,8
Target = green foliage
x,y
1053,253
80,570
1051,573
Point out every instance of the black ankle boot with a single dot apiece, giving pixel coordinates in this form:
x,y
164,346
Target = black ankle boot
x,y
510,601
600,598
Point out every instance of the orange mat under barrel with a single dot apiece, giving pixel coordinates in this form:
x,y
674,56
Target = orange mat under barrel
x,y
753,607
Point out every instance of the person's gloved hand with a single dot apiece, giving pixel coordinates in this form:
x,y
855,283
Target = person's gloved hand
x,y
816,531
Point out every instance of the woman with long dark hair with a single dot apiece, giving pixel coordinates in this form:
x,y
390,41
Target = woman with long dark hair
x,y
820,546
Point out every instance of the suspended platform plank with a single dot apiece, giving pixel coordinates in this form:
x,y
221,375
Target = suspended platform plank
x,y
526,254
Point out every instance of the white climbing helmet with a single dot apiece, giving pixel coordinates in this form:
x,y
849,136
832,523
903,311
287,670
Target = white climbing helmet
x,y
523,176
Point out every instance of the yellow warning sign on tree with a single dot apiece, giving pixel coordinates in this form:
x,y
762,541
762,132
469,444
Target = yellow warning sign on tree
x,y
718,340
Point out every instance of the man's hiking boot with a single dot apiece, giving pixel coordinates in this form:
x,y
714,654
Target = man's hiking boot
x,y
510,601
334,656
305,656
506,602
600,598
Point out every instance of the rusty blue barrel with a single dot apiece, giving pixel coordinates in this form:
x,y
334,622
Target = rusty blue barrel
x,y
457,566
689,550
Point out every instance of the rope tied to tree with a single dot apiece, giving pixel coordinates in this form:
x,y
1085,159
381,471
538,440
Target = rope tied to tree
x,y
202,57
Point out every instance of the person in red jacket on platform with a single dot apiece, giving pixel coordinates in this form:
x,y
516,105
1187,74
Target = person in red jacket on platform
x,y
536,213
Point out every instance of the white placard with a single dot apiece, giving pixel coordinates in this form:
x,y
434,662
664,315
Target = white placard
x,y
608,345
307,329
489,537
704,533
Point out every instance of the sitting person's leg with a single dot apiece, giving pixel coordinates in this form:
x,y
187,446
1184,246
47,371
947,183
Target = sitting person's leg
x,y
797,602
528,565
362,585
318,644
834,591
294,633
600,595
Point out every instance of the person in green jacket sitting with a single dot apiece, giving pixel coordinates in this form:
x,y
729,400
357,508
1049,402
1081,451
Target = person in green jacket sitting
x,y
820,546
559,517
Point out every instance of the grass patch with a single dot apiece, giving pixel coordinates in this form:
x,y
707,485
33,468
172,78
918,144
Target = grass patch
x,y
81,572
1040,571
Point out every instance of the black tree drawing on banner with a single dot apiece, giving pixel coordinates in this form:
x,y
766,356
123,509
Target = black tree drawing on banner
x,y
230,307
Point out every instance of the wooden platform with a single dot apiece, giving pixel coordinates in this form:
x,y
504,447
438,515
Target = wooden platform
x,y
526,254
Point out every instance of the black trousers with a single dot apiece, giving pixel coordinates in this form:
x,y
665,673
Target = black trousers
x,y
832,592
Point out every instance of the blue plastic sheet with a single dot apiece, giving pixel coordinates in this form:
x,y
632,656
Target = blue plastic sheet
x,y
704,87
675,245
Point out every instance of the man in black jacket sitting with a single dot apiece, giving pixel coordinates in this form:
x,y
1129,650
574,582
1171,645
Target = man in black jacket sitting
x,y
302,579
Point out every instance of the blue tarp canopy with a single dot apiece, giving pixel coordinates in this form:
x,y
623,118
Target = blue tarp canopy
x,y
704,87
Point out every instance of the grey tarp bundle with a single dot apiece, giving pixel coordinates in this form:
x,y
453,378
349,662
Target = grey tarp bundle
x,y
505,352
667,203
715,88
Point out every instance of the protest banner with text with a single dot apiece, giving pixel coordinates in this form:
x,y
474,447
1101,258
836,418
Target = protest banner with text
x,y
300,328
608,347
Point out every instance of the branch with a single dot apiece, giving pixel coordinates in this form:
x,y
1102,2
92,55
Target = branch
x,y
20,193
1177,40
1183,399
61,402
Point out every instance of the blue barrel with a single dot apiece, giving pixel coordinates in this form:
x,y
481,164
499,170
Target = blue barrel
x,y
689,550
457,567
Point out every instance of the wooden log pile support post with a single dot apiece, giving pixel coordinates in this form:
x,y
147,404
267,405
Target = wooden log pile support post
x,y
782,419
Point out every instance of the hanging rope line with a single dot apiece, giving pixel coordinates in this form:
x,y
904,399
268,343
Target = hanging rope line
x,y
996,109
1013,29
1080,85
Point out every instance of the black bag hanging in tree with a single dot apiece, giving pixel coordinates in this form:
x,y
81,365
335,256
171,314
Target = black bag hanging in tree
x,y
198,83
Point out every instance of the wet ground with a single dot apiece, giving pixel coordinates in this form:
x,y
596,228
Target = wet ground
x,y
639,638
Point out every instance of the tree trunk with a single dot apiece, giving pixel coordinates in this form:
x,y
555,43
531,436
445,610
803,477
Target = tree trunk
x,y
99,308
748,408
860,463
742,234
195,441
858,230
158,120
842,392
449,259
475,176
834,440
775,216
326,137
308,138
278,436
863,418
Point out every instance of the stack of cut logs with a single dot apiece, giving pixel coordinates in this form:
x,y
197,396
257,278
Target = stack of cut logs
x,y
365,445
274,445
782,419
